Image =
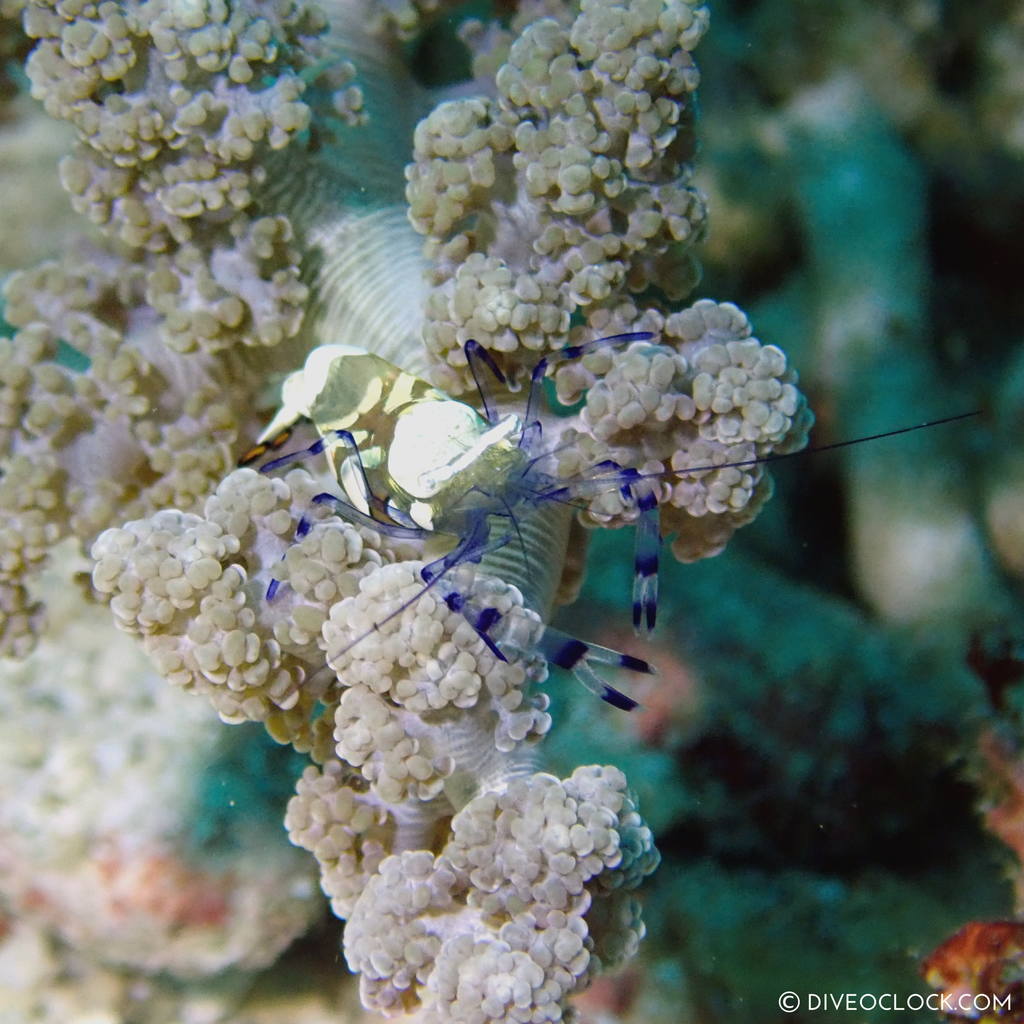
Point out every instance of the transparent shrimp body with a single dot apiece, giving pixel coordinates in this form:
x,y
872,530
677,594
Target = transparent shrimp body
x,y
400,449
414,462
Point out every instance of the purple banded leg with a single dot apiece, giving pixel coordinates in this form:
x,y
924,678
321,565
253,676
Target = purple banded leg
x,y
598,654
317,448
348,512
303,527
579,351
529,439
647,541
536,378
470,549
477,358
354,515
569,653
646,548
476,544
378,506
302,453
558,649
539,371
482,620
645,564
600,478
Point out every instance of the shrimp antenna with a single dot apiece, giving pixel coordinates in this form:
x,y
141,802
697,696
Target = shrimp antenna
x,y
614,474
814,449
875,437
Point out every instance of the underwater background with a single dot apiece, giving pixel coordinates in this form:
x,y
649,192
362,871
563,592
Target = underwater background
x,y
831,756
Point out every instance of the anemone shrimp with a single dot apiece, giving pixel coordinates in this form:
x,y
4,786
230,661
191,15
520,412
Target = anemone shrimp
x,y
414,463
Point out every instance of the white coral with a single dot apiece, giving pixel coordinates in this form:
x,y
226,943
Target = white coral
x,y
175,108
406,659
571,183
534,859
101,762
98,421
195,587
685,412
345,828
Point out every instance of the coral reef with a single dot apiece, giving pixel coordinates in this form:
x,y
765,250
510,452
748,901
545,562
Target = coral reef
x,y
800,757
174,109
419,726
570,184
129,830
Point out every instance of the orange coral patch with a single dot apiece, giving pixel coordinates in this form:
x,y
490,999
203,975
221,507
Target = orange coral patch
x,y
984,957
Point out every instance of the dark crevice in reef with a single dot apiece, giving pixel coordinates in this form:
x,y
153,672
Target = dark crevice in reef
x,y
877,815
977,252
